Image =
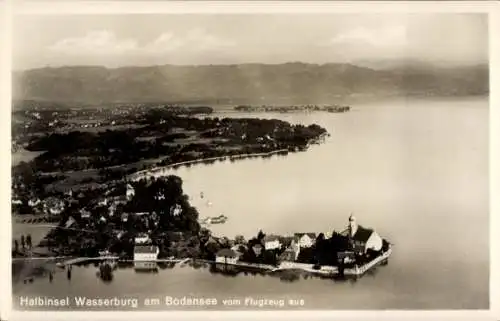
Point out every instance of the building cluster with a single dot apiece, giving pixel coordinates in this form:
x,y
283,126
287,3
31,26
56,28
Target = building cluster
x,y
50,207
360,240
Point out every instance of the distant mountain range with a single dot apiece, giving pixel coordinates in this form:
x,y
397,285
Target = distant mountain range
x,y
246,83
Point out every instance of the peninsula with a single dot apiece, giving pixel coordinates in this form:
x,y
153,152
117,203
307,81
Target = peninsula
x,y
78,148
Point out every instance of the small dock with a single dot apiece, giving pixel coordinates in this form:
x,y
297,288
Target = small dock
x,y
116,258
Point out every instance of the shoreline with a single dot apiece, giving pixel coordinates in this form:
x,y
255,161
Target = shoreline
x,y
325,270
154,170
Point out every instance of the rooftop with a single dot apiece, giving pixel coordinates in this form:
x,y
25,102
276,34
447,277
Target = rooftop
x,y
271,238
227,253
362,234
299,235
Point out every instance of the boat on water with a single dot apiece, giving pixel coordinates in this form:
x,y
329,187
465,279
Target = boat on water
x,y
218,219
214,220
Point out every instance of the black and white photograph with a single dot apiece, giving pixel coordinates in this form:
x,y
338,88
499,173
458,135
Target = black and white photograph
x,y
250,161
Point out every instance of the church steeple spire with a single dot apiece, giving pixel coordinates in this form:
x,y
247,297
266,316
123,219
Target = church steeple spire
x,y
353,226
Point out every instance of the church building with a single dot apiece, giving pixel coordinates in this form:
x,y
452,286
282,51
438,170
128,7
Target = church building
x,y
362,239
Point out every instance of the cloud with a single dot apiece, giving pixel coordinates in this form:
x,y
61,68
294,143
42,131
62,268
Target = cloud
x,y
388,36
107,43
99,42
194,40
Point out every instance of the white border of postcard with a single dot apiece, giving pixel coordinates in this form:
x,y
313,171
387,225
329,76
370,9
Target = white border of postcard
x,y
12,7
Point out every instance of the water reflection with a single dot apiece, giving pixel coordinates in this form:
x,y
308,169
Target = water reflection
x,y
166,265
145,267
287,276
106,272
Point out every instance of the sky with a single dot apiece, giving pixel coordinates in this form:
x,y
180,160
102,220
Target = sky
x,y
200,39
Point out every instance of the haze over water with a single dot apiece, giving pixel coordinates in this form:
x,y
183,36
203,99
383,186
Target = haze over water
x,y
415,170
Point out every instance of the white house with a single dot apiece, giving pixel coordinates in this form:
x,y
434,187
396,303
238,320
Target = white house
x,y
271,242
176,210
130,192
362,239
146,252
102,202
226,256
84,213
55,211
112,210
142,239
304,239
70,222
34,202
291,253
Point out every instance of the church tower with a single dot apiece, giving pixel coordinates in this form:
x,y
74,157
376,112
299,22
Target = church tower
x,y
352,227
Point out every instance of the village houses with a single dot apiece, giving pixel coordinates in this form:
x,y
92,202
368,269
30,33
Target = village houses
x,y
291,253
226,256
272,242
304,239
142,239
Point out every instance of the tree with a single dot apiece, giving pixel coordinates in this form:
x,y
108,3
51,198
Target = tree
x,y
204,235
194,242
321,252
239,239
224,242
249,256
260,236
212,247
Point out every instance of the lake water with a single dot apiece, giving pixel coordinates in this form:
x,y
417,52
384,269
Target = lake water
x,y
415,170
